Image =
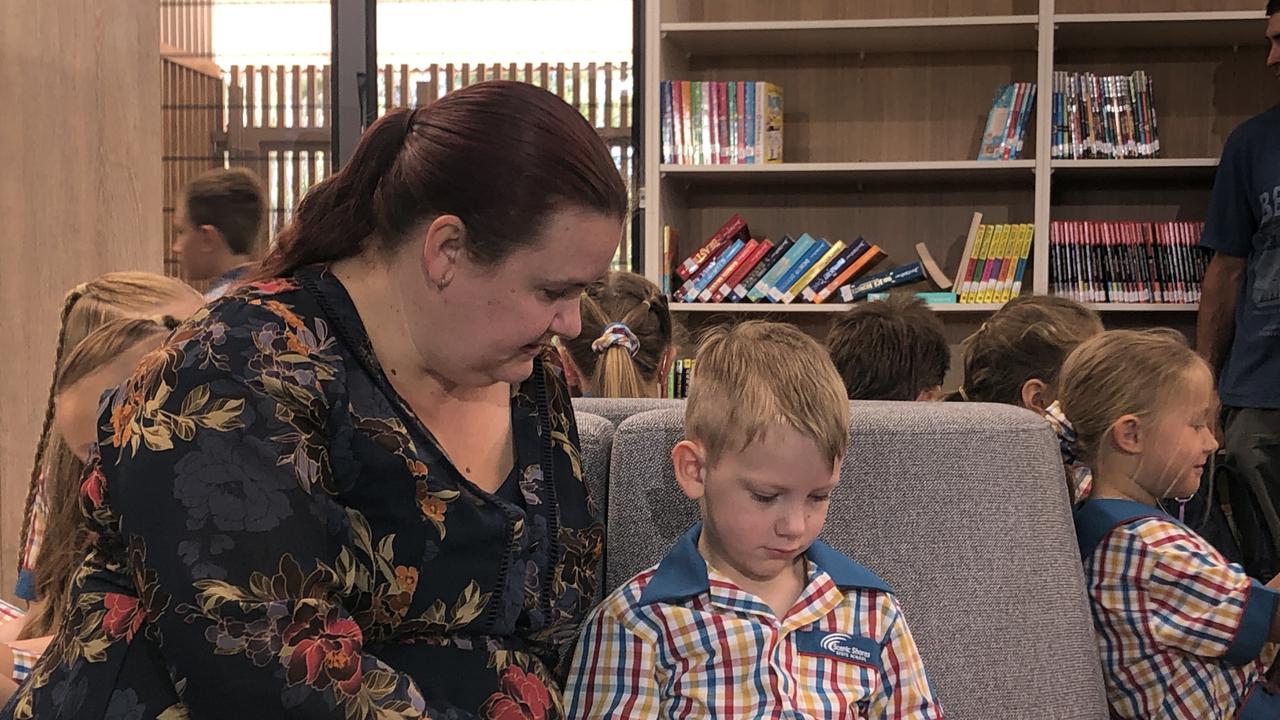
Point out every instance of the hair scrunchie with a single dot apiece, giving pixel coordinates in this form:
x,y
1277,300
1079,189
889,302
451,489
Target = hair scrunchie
x,y
616,334
1067,439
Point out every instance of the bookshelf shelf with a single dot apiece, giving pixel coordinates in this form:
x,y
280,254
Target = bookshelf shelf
x,y
1158,30
765,308
912,172
1145,169
819,37
1145,307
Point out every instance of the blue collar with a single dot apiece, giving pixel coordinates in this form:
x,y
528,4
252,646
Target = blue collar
x,y
682,574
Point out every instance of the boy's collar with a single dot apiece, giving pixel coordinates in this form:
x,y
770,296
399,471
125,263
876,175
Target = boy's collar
x,y
682,574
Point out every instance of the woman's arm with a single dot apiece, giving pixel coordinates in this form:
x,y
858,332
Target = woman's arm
x,y
242,557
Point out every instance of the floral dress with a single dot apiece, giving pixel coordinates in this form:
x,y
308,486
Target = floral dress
x,y
275,534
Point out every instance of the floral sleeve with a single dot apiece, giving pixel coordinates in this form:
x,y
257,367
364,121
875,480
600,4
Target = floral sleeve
x,y
217,465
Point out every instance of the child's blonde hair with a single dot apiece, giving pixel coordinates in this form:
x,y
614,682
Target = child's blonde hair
x,y
85,308
757,375
612,368
1118,373
1028,338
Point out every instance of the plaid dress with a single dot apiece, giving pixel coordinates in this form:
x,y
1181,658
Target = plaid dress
x,y
1182,632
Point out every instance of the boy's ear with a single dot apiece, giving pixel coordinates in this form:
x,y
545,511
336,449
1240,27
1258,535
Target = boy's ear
x,y
1126,434
1035,396
690,464
210,238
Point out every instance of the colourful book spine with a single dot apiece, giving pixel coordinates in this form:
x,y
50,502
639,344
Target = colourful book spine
x,y
855,268
711,271
1000,247
772,123
722,90
766,264
836,267
1005,281
822,263
668,128
733,122
677,119
969,292
761,290
740,121
748,264
797,269
909,273
749,115
1024,253
710,290
735,227
687,114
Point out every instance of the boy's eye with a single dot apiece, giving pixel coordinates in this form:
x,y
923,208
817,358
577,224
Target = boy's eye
x,y
765,499
820,498
554,295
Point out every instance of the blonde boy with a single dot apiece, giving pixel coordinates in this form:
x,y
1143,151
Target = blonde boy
x,y
749,615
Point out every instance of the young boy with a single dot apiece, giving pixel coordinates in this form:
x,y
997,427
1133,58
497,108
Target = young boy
x,y
217,223
749,615
890,350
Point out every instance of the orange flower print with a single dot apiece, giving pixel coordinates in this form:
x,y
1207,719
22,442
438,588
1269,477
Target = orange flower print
x,y
433,507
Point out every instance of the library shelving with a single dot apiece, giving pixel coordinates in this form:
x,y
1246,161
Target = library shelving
x,y
885,102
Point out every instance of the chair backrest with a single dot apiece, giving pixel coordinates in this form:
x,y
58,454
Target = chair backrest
x,y
595,435
615,410
962,508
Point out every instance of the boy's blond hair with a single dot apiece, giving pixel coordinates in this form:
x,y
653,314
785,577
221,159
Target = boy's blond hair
x,y
758,375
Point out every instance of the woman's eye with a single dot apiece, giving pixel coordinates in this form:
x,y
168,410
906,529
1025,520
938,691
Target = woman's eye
x,y
764,499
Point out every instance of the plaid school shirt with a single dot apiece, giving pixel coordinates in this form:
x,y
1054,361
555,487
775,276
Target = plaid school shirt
x,y
1181,630
680,640
26,585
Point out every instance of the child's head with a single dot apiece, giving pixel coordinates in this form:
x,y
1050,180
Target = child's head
x,y
85,308
99,362
625,347
890,350
1141,404
1015,357
219,216
766,426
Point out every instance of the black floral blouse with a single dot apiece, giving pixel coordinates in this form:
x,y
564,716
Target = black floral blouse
x,y
277,535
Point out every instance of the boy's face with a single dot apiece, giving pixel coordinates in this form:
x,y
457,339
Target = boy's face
x,y
761,507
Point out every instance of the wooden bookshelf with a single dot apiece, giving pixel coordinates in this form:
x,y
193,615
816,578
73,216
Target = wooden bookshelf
x,y
834,37
885,104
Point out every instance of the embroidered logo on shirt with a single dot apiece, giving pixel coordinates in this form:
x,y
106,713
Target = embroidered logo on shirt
x,y
841,646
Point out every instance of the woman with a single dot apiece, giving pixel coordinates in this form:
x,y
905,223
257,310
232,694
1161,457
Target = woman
x,y
351,489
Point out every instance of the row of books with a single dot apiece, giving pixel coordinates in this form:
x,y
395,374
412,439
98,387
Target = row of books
x,y
732,266
678,378
1130,262
995,263
1007,122
1103,116
718,122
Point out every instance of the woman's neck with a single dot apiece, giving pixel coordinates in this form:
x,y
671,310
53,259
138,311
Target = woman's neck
x,y
369,282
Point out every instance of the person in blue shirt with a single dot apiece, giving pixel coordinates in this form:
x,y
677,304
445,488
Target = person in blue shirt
x,y
1238,328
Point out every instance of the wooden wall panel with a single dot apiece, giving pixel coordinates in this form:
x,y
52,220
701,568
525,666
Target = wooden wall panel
x,y
80,194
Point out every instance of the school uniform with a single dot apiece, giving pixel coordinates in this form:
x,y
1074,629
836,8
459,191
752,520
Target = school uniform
x,y
1182,632
681,640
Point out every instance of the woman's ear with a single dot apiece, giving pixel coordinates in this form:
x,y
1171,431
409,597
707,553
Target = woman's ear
x,y
442,250
1036,396
689,461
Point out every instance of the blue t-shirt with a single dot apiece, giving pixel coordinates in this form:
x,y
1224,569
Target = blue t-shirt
x,y
1244,221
